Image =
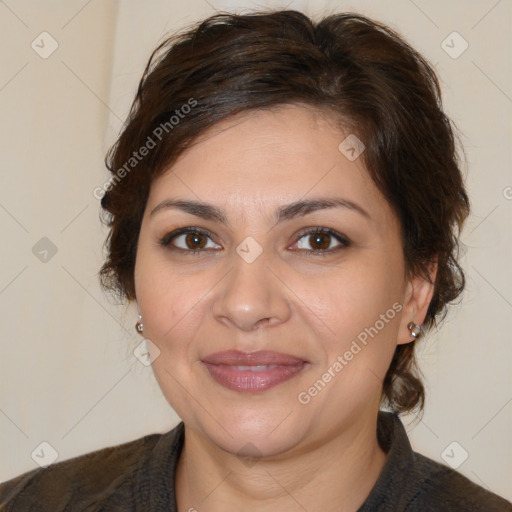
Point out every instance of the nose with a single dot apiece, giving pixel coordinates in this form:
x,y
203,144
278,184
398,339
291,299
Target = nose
x,y
251,296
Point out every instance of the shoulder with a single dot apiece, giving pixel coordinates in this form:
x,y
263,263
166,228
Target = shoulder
x,y
411,482
444,489
90,478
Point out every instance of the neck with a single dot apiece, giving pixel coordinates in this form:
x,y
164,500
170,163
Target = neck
x,y
335,475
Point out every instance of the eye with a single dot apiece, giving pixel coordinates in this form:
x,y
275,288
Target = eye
x,y
191,240
317,241
320,241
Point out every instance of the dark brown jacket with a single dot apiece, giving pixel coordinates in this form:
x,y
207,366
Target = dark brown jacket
x,y
139,476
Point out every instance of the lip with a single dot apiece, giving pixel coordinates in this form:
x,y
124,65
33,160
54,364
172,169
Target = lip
x,y
224,368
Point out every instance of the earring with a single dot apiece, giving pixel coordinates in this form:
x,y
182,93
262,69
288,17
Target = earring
x,y
415,329
139,326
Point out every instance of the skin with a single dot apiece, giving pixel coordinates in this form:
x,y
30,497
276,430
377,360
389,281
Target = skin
x,y
322,455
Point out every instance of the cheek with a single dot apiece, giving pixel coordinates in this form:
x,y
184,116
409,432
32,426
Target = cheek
x,y
173,313
361,307
353,297
171,303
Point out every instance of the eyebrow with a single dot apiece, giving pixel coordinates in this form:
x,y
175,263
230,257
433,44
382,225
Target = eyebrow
x,y
284,213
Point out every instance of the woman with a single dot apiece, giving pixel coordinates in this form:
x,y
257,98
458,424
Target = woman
x,y
283,208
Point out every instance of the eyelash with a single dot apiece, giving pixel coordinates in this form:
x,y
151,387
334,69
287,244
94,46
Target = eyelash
x,y
342,239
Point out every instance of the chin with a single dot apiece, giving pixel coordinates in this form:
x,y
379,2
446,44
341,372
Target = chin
x,y
254,435
255,447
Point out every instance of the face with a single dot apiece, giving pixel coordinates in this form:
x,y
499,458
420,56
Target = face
x,y
313,296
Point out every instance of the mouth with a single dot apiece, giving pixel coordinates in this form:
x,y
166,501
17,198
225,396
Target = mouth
x,y
254,371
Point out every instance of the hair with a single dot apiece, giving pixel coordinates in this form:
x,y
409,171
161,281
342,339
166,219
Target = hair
x,y
353,69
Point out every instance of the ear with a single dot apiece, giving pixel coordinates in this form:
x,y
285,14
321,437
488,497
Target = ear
x,y
417,297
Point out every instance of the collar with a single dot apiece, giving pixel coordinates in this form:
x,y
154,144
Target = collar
x,y
155,487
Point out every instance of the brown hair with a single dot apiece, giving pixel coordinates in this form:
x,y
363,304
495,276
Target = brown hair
x,y
346,65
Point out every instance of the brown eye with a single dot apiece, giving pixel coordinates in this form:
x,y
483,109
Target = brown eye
x,y
322,241
195,240
191,240
319,241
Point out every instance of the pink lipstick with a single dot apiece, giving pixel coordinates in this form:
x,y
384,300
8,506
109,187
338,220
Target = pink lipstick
x,y
254,371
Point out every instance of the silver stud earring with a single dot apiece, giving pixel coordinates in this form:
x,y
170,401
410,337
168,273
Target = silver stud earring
x,y
139,326
415,329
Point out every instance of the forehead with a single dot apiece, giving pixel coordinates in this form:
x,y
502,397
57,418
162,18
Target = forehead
x,y
262,159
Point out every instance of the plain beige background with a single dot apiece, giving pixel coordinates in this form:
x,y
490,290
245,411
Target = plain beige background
x,y
68,376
